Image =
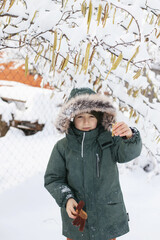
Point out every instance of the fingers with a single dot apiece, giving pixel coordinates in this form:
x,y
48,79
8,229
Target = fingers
x,y
121,129
71,214
70,208
81,215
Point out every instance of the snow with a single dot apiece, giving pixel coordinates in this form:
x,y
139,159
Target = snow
x,y
39,102
6,110
29,212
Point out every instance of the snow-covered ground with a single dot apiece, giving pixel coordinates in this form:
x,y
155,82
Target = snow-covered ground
x,y
28,212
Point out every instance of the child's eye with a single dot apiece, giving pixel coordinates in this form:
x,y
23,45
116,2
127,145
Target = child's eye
x,y
79,117
92,116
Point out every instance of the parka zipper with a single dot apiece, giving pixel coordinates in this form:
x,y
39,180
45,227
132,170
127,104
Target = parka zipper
x,y
98,165
82,144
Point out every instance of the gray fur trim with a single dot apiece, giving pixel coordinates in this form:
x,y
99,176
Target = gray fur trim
x,y
86,103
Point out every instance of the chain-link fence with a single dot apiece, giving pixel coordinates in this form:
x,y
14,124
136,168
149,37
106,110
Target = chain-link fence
x,y
26,124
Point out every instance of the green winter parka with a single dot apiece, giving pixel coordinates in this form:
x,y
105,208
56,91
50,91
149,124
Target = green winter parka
x,y
83,166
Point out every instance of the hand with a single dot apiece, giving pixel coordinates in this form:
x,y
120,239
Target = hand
x,y
81,217
121,129
71,203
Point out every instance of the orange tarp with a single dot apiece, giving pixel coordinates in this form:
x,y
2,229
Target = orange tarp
x,y
9,73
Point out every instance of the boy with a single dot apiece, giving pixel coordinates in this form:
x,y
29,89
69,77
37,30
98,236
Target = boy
x,y
83,166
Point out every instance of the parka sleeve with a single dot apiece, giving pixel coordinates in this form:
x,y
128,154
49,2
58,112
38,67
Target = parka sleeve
x,y
55,180
125,150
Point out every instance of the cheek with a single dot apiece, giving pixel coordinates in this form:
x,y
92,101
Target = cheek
x,y
77,123
94,123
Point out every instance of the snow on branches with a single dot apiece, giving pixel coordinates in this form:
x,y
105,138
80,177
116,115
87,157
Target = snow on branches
x,y
108,45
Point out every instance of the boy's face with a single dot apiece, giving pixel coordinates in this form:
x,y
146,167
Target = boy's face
x,y
85,122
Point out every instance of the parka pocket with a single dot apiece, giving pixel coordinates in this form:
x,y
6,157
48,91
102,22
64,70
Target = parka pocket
x,y
113,208
112,198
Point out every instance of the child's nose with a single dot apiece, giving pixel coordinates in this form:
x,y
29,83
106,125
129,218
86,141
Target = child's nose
x,y
86,120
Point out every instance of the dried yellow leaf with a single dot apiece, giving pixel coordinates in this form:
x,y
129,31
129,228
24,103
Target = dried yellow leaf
x,y
99,14
55,40
38,54
60,67
65,62
20,41
53,60
134,114
137,120
158,20
82,66
99,88
143,92
117,62
131,112
129,92
97,81
152,19
130,23
62,83
56,58
158,35
3,4
113,58
92,68
92,54
84,8
108,73
11,4
60,40
155,95
134,55
147,17
75,59
86,59
89,16
114,15
138,73
135,93
65,3
34,16
10,36
106,11
9,20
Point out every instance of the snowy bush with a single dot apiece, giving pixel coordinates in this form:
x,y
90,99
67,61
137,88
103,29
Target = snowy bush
x,y
111,46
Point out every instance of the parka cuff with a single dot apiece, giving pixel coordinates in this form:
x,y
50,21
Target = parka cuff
x,y
135,136
66,199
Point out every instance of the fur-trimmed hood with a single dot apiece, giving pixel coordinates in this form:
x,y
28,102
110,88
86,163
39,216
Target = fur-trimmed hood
x,y
85,100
